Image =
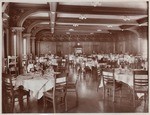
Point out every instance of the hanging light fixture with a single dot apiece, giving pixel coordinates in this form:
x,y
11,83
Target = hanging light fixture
x,y
75,25
126,18
67,32
91,33
95,4
71,29
99,30
82,17
109,26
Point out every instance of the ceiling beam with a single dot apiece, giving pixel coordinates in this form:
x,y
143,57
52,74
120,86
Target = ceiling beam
x,y
53,7
100,10
80,30
95,21
126,26
142,20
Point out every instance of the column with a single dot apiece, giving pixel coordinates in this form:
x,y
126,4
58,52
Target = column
x,y
139,46
114,47
19,44
27,36
8,47
11,42
123,47
3,64
38,48
33,45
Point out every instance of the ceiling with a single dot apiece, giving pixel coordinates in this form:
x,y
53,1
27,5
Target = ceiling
x,y
88,18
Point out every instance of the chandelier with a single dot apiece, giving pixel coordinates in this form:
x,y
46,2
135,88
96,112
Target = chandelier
x,y
95,4
82,17
126,18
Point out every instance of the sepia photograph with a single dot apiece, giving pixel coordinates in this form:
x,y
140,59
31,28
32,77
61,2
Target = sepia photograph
x,y
74,57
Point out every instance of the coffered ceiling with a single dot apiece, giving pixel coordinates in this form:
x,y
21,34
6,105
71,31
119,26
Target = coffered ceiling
x,y
85,18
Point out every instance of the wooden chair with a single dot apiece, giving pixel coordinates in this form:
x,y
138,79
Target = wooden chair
x,y
62,67
72,87
140,84
12,95
99,73
109,82
57,95
14,71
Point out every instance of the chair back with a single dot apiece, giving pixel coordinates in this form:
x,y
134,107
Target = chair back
x,y
62,66
60,79
60,83
140,80
61,69
108,77
14,71
7,85
72,80
99,72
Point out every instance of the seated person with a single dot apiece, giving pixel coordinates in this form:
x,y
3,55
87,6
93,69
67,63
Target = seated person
x,y
49,72
30,67
37,67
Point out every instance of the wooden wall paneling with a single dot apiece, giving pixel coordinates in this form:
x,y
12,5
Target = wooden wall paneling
x,y
45,47
64,48
59,48
127,42
95,47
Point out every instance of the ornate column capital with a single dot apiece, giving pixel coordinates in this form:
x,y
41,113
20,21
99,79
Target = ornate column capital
x,y
5,16
33,38
27,35
16,29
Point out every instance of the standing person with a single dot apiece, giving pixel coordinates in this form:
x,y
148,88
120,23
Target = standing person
x,y
94,68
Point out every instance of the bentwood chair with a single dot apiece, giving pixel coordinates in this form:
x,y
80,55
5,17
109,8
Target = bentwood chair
x,y
140,84
57,95
109,83
12,95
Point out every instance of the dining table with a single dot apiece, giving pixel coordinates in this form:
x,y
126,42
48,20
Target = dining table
x,y
36,83
125,76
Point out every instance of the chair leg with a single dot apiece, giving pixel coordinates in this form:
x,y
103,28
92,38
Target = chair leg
x,y
76,97
113,95
146,103
98,85
44,101
28,104
145,97
133,99
104,93
120,92
21,102
109,92
66,108
54,105
13,104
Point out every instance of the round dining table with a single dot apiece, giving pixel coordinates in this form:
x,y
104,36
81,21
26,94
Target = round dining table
x,y
36,83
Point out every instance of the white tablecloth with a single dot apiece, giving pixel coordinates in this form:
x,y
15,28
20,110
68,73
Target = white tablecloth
x,y
37,85
126,76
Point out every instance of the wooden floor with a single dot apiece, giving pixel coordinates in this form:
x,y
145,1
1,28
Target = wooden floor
x,y
90,100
